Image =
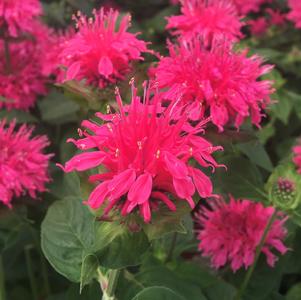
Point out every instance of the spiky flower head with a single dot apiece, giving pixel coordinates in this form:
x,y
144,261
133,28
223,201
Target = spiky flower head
x,y
244,6
23,165
295,12
221,83
22,72
230,233
17,16
101,52
143,157
210,19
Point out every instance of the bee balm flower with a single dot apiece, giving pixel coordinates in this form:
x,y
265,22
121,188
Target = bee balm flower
x,y
17,15
101,51
295,12
23,165
232,231
219,82
213,19
145,158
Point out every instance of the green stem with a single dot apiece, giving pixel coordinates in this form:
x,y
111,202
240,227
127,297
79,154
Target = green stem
x,y
30,271
249,274
172,247
109,292
2,280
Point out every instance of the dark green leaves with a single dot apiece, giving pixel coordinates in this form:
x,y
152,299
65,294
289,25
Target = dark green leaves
x,y
76,244
58,109
158,293
67,236
242,179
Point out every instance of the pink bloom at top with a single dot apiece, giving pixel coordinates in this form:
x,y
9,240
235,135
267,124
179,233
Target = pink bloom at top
x,y
210,19
220,82
295,12
230,232
17,16
174,2
246,6
145,158
297,156
276,17
22,76
23,165
259,26
101,51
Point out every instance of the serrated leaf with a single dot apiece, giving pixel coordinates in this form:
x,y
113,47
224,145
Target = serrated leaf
x,y
67,236
257,154
242,179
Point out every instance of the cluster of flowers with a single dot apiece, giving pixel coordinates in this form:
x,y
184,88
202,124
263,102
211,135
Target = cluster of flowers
x,y
151,153
148,154
269,15
23,76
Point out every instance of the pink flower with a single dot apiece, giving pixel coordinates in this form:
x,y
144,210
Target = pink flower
x,y
17,15
220,82
211,19
295,12
22,76
101,52
276,17
23,166
143,158
52,62
297,156
245,6
259,26
230,232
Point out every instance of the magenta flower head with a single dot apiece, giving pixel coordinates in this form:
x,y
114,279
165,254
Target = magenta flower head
x,y
102,51
16,16
295,12
244,6
230,232
220,82
210,19
23,165
143,158
22,77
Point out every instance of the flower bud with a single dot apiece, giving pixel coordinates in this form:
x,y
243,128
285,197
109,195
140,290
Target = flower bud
x,y
283,188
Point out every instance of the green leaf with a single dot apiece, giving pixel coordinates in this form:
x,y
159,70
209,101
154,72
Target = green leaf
x,y
158,293
67,236
241,179
157,274
294,293
55,108
212,286
257,154
165,221
19,115
88,271
283,107
126,249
